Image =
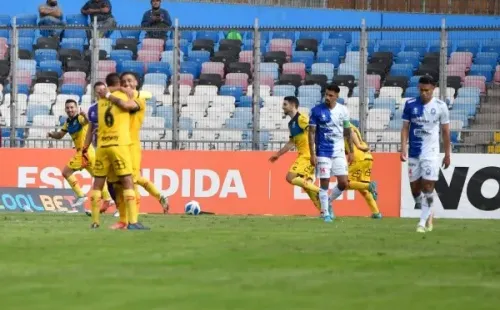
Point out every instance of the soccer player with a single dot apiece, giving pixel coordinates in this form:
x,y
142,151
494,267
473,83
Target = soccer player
x,y
360,171
77,125
329,125
423,117
301,171
113,152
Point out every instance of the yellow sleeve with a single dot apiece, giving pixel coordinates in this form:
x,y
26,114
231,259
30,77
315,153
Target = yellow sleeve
x,y
65,127
82,120
303,121
141,102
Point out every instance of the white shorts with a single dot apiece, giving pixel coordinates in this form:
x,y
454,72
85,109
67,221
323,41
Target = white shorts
x,y
328,167
427,169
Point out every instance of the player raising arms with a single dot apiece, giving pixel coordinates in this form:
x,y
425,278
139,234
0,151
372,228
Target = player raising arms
x,y
422,118
113,151
360,172
301,171
77,125
329,125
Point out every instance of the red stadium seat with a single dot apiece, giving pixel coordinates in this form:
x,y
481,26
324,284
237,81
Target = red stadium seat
x,y
147,56
213,68
281,45
298,68
106,65
153,45
237,79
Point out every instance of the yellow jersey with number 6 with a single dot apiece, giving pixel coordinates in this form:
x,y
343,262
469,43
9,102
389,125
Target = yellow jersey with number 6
x,y
114,122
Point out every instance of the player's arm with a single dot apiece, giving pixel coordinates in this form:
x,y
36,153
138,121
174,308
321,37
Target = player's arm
x,y
446,134
405,132
357,143
82,118
129,105
286,148
89,136
348,136
57,134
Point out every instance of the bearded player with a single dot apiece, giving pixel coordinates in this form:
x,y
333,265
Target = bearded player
x,y
301,171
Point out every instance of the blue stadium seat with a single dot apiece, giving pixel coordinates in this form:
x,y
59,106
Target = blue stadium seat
x,y
134,34
243,113
414,81
469,92
484,70
486,58
306,57
72,89
21,89
412,92
248,45
191,67
51,66
166,112
5,20
25,44
183,45
349,69
468,46
185,123
465,104
235,91
393,46
4,33
73,43
185,35
395,124
245,101
156,79
310,91
419,46
454,135
370,93
339,45
332,57
159,67
26,20
27,65
266,35
131,66
27,33
308,102
326,69
492,46
238,123
385,103
210,35
408,58
284,35
121,55
199,56
75,33
316,35
355,122
284,90
339,100
271,68
45,54
36,109
435,47
345,35
76,19
402,70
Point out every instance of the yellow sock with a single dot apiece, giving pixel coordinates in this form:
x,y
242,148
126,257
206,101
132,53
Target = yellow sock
x,y
131,203
149,187
314,198
73,182
359,186
120,203
307,185
105,193
372,204
138,198
95,199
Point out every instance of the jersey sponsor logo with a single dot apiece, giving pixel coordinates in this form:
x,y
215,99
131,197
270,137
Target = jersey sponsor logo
x,y
420,133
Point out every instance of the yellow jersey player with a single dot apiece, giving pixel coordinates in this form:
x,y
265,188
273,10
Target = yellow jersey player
x,y
113,152
77,126
360,171
301,172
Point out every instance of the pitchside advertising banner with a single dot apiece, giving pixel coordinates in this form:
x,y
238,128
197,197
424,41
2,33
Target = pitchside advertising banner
x,y
469,188
223,182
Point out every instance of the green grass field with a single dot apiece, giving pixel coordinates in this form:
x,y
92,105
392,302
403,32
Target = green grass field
x,y
50,261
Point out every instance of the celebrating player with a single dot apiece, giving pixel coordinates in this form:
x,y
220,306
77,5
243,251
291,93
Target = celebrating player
x,y
360,170
422,118
113,152
77,125
329,125
301,171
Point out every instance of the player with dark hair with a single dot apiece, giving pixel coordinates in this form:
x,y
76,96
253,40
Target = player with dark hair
x,y
301,172
423,118
77,125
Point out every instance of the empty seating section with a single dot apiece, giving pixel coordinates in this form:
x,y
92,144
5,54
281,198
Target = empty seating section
x,y
216,75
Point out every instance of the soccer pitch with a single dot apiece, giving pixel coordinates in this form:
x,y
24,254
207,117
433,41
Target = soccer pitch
x,y
51,261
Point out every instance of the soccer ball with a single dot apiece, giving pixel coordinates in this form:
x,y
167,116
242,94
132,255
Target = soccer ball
x,y
192,208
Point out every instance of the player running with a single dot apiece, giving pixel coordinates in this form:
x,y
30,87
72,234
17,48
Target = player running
x,y
77,125
301,171
113,152
360,171
422,118
329,126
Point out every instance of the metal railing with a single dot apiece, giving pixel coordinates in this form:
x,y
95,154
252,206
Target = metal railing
x,y
215,94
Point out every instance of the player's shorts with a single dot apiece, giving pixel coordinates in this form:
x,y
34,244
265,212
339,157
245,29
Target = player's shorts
x,y
328,167
114,159
361,171
76,162
423,168
302,167
136,158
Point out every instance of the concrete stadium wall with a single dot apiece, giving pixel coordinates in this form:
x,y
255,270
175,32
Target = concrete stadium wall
x,y
126,12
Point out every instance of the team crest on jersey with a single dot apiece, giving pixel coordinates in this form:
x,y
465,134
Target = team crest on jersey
x,y
415,111
433,111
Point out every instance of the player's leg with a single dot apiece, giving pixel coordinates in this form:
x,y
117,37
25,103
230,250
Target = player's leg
x,y
360,172
123,169
357,171
324,170
153,191
75,164
415,177
300,175
121,206
340,170
430,174
101,170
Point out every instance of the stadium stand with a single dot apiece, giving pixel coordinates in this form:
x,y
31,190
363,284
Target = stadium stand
x,y
216,82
